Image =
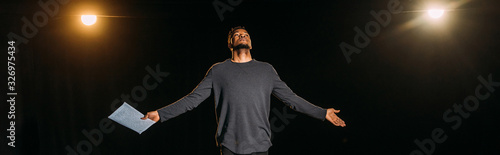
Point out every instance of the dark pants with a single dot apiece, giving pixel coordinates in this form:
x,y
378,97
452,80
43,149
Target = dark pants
x,y
225,151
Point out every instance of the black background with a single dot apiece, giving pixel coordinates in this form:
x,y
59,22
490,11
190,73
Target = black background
x,y
394,92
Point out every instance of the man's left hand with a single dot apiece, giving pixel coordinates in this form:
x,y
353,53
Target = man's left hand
x,y
333,118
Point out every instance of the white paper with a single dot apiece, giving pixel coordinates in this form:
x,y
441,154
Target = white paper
x,y
129,117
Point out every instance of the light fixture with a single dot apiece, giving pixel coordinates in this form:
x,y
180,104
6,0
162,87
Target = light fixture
x,y
89,19
435,13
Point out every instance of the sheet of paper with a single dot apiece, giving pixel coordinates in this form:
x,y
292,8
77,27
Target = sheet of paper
x,y
129,117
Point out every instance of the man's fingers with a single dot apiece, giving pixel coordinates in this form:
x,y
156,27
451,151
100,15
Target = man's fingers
x,y
338,122
336,111
342,124
145,116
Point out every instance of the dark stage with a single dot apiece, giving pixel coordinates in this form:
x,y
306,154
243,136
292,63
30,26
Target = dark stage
x,y
405,82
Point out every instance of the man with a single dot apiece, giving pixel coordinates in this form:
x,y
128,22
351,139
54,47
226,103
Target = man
x,y
242,88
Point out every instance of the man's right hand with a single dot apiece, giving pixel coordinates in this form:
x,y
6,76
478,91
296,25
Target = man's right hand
x,y
153,115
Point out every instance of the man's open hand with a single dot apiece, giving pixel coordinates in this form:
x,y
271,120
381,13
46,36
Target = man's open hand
x,y
153,115
332,117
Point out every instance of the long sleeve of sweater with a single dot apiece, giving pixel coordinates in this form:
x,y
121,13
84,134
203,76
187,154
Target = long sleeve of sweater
x,y
190,101
287,96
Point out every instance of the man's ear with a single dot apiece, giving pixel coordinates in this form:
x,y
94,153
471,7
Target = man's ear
x,y
229,46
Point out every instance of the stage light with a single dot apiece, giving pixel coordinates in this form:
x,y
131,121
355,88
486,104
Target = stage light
x,y
89,19
435,13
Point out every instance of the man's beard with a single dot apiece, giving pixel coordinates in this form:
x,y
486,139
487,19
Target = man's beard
x,y
241,46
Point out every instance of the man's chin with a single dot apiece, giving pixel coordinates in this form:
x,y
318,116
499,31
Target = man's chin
x,y
241,46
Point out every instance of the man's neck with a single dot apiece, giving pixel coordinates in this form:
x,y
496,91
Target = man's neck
x,y
241,56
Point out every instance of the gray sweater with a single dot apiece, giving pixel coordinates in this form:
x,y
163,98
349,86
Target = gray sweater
x,y
242,93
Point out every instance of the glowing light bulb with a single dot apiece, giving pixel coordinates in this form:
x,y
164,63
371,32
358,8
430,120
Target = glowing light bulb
x,y
436,13
89,19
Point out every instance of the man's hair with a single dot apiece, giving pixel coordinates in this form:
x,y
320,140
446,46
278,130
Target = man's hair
x,y
231,33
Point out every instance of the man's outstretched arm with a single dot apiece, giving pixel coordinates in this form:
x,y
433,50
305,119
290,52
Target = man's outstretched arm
x,y
187,103
286,95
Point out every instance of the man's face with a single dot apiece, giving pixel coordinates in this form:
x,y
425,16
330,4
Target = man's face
x,y
241,39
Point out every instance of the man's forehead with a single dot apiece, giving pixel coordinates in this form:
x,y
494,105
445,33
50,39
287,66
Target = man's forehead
x,y
240,31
